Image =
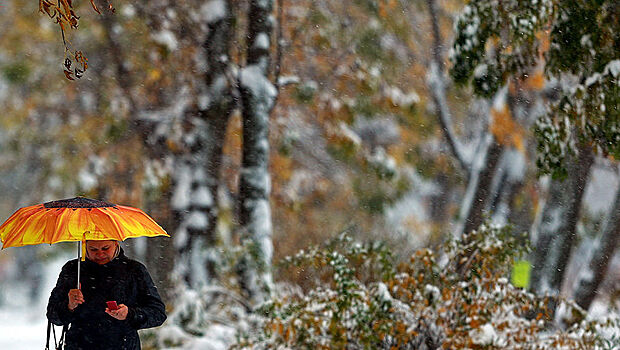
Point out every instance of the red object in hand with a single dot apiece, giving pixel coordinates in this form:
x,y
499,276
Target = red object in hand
x,y
112,305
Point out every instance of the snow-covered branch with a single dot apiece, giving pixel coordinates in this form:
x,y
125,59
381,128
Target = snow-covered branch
x,y
436,83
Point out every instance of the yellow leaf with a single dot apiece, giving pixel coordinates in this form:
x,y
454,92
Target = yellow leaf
x,y
505,129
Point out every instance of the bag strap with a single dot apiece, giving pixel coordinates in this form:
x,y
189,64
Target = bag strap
x,y
58,343
47,342
61,342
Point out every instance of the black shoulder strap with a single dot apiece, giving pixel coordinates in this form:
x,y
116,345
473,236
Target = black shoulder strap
x,y
58,343
47,342
61,341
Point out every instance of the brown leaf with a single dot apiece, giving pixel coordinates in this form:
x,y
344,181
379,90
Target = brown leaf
x,y
95,7
68,74
66,6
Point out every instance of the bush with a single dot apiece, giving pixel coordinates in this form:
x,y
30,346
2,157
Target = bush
x,y
459,298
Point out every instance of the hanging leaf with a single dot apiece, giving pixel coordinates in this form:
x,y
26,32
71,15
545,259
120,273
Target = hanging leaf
x,y
68,75
64,15
95,7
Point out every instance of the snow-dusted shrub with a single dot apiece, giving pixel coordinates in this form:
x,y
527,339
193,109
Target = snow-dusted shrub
x,y
207,318
465,303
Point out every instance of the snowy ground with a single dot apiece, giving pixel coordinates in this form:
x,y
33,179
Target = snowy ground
x,y
24,330
23,324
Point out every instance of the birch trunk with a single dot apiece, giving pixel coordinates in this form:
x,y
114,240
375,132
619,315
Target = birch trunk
x,y
557,230
481,181
216,116
257,99
590,280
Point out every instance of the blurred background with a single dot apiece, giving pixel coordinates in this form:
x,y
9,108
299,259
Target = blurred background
x,y
283,128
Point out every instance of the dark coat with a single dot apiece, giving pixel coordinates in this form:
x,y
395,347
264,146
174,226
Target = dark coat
x,y
123,280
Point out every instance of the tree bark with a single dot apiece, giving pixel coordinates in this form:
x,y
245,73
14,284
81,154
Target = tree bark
x,y
217,114
589,282
557,231
257,99
480,183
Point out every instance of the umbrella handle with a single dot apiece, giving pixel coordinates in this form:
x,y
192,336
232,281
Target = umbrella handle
x,y
81,254
79,261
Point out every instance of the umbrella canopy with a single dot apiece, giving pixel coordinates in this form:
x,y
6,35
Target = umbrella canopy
x,y
76,219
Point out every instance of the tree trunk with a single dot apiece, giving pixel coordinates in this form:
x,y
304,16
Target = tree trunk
x,y
196,177
593,276
557,230
257,99
216,116
480,182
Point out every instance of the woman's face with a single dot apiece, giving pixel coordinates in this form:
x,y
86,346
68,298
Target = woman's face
x,y
101,252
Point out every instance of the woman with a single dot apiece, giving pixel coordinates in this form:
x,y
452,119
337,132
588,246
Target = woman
x,y
107,275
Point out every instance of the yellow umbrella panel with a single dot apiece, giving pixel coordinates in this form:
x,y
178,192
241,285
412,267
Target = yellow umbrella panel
x,y
76,219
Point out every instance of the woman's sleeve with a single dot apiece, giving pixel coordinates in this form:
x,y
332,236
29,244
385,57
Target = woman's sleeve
x,y
150,310
58,306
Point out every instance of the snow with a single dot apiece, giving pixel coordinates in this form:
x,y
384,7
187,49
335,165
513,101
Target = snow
x,y
87,179
383,293
349,134
594,78
128,10
412,209
181,196
261,222
214,92
257,177
288,79
613,67
262,41
219,338
197,220
436,84
23,329
213,10
432,292
481,70
202,197
485,335
167,39
601,189
23,322
401,99
252,78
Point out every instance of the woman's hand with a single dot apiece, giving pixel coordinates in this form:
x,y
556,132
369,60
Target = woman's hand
x,y
120,313
75,298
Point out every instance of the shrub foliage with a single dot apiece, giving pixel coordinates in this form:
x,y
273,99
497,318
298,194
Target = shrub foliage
x,y
456,298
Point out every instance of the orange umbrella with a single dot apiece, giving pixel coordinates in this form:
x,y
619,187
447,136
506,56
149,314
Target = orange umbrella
x,y
76,220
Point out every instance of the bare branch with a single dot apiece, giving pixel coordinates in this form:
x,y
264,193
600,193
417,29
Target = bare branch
x,y
436,84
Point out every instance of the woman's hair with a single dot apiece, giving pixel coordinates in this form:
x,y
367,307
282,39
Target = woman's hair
x,y
117,251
